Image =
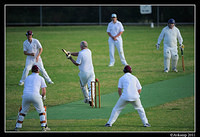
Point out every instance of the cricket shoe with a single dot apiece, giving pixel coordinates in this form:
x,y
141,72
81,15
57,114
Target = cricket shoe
x,y
147,125
166,70
16,129
91,103
111,65
51,82
175,70
45,129
108,125
21,83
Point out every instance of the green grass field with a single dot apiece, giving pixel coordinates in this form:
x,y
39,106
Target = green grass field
x,y
140,52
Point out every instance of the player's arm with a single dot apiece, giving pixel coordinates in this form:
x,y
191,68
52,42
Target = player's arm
x,y
119,91
40,52
73,61
43,91
74,53
139,91
109,34
29,54
119,34
180,39
161,36
138,86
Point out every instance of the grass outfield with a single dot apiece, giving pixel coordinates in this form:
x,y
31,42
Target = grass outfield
x,y
140,52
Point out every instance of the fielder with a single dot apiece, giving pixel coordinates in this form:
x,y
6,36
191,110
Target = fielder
x,y
115,30
86,74
31,94
170,33
131,90
33,49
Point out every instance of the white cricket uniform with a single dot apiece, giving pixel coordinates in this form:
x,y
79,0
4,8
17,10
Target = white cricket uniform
x,y
33,47
170,45
86,73
31,94
130,85
114,29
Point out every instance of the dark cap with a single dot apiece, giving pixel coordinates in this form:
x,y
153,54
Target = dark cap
x,y
127,68
29,32
35,68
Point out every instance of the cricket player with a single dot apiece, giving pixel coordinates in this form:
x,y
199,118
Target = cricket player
x,y
131,94
33,49
86,74
115,30
31,94
170,33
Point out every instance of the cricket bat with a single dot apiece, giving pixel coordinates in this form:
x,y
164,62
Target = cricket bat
x,y
65,51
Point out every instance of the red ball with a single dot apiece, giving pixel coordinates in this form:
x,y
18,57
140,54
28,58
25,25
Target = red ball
x,y
97,80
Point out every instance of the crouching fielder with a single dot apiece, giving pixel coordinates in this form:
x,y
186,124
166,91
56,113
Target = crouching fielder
x,y
170,33
86,74
31,94
131,90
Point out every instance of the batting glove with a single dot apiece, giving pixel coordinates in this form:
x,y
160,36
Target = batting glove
x,y
181,47
69,55
44,97
157,46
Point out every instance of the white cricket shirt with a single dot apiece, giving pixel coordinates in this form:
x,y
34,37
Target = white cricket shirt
x,y
115,28
85,61
32,47
170,36
33,83
130,85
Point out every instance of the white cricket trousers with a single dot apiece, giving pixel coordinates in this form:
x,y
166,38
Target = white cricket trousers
x,y
170,53
36,100
85,82
119,45
121,103
29,63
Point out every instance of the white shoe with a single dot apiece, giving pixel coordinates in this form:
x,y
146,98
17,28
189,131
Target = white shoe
x,y
21,83
45,129
166,70
111,65
51,82
175,70
147,125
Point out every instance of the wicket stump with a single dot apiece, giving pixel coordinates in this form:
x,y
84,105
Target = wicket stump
x,y
95,95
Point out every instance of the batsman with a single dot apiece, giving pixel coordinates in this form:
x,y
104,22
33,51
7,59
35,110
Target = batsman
x,y
171,33
86,74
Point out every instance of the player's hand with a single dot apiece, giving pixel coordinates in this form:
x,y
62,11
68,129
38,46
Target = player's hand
x,y
114,38
37,59
157,46
69,55
44,97
32,54
181,47
68,52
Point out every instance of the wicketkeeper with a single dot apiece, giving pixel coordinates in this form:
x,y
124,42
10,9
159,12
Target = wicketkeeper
x,y
170,33
31,94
